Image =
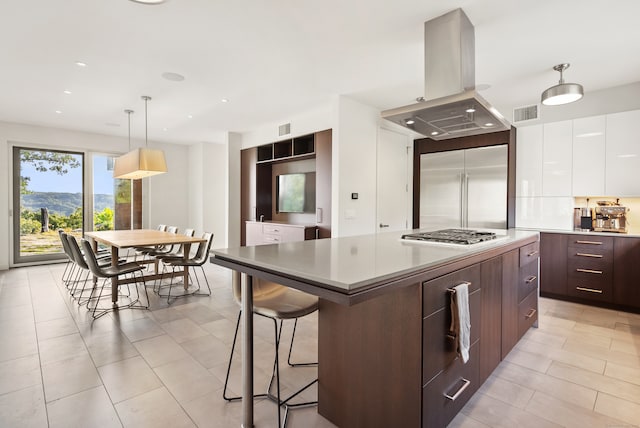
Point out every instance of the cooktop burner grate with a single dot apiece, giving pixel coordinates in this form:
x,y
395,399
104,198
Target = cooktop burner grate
x,y
452,236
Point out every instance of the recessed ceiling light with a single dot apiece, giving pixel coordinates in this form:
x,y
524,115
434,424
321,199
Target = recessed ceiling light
x,y
165,129
409,121
488,124
67,92
149,1
470,110
435,133
81,64
58,111
224,100
174,77
190,116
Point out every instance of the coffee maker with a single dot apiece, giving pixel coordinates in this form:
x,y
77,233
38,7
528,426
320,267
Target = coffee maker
x,y
610,218
583,219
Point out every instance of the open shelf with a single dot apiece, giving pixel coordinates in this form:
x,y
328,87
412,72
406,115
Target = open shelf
x,y
286,149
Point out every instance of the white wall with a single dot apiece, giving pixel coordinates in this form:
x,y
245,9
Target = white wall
x,y
232,197
157,206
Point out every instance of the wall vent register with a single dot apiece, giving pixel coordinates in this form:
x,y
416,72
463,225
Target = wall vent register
x,y
451,236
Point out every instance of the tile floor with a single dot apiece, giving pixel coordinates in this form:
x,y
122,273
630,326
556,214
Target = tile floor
x,y
165,367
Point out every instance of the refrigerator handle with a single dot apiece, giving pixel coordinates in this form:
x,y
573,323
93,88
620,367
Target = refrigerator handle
x,y
466,200
462,199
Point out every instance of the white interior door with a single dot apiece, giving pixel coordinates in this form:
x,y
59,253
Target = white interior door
x,y
393,206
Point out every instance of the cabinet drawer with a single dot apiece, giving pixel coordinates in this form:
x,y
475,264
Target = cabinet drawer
x,y
271,239
529,253
590,288
439,349
590,255
591,243
272,229
590,270
435,294
446,394
528,281
527,313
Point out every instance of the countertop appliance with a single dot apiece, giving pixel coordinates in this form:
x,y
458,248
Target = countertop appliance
x,y
452,236
464,188
611,218
451,107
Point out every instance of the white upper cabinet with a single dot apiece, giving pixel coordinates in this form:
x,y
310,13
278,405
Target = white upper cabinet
x,y
623,154
529,161
589,137
557,158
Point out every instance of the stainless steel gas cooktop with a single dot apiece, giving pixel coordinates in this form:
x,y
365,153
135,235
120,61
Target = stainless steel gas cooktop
x,y
452,236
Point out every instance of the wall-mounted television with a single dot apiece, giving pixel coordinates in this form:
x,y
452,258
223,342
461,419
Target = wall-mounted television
x,y
296,193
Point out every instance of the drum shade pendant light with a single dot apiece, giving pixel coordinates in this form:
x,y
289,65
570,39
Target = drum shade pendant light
x,y
562,93
141,162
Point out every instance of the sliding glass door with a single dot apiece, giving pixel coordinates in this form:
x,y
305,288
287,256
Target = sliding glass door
x,y
48,194
117,204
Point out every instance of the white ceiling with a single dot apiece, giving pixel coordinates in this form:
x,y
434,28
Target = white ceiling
x,y
274,59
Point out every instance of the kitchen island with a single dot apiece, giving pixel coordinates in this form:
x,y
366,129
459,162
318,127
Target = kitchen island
x,y
385,357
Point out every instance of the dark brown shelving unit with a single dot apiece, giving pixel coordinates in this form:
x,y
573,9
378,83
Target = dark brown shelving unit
x,y
282,149
265,153
304,145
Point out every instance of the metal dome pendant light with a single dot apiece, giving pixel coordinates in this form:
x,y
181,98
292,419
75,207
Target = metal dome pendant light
x,y
141,162
562,93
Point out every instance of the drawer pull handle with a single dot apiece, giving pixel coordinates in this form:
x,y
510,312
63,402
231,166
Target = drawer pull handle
x,y
597,256
589,242
531,313
531,279
590,290
533,253
589,271
465,384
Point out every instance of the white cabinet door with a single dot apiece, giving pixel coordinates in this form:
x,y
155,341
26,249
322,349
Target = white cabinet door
x,y
589,137
529,161
392,191
556,158
253,233
623,154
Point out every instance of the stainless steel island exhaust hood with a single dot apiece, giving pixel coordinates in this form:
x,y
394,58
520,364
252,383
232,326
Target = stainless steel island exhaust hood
x,y
451,106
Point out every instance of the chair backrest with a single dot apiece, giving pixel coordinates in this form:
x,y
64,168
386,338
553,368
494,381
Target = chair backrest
x,y
90,257
203,249
75,251
189,232
162,227
172,229
65,244
260,288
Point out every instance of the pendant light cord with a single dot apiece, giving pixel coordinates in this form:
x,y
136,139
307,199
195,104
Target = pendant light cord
x,y
146,135
129,118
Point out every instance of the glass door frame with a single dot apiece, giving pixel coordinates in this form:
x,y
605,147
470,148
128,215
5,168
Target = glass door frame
x,y
16,258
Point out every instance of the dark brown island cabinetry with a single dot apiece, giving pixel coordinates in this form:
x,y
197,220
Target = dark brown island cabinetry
x,y
591,269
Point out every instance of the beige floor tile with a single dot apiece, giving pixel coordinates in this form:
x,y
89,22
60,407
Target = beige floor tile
x,y
222,329
620,409
549,385
128,378
160,350
61,348
67,377
110,348
498,414
463,421
604,331
21,313
622,358
567,414
207,350
56,328
87,409
588,363
16,296
187,379
624,373
548,321
24,408
20,373
141,329
183,330
166,314
198,313
17,345
601,383
509,392
528,360
547,338
626,346
154,409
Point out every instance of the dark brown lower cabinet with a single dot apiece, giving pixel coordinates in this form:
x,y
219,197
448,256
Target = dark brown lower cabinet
x,y
592,269
491,322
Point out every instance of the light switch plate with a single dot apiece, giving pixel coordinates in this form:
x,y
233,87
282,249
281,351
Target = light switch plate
x,y
354,196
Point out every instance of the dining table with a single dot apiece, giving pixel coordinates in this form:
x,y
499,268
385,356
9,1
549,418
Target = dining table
x,y
124,239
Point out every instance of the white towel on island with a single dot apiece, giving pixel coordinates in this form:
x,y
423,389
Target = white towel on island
x,y
461,320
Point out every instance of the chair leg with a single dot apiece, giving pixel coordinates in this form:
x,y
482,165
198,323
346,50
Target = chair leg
x,y
293,336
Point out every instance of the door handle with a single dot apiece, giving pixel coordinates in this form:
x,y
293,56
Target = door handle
x,y
383,225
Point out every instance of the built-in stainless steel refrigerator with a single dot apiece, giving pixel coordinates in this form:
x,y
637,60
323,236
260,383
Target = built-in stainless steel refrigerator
x,y
464,188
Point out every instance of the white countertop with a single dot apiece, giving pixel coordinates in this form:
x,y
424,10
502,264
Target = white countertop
x,y
631,234
350,263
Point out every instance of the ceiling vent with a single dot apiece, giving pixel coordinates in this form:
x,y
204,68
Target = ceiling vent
x,y
526,113
284,129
